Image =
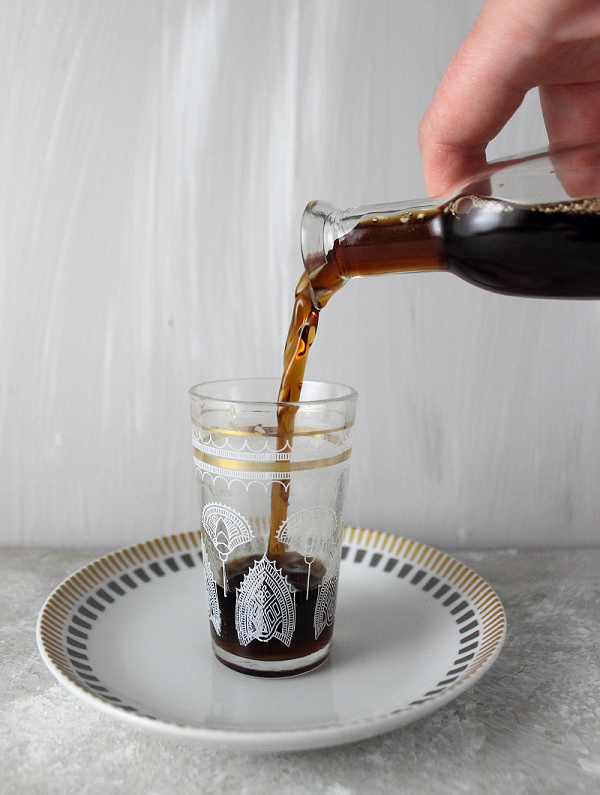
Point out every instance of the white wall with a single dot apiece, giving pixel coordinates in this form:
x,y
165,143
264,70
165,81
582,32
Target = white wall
x,y
155,159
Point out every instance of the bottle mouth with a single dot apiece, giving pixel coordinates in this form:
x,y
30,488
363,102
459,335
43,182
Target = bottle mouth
x,y
317,235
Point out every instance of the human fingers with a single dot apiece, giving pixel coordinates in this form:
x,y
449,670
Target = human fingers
x,y
455,132
514,45
477,95
572,117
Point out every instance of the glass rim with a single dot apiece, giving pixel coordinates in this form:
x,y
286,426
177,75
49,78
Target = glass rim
x,y
198,392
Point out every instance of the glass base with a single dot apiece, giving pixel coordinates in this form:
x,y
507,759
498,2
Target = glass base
x,y
273,668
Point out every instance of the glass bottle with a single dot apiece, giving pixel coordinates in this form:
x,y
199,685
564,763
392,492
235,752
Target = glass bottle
x,y
527,226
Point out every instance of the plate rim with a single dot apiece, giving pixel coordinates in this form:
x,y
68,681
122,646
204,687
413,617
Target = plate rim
x,y
70,592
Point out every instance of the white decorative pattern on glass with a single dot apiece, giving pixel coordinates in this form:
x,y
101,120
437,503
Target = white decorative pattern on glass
x,y
265,608
226,528
214,611
311,533
325,607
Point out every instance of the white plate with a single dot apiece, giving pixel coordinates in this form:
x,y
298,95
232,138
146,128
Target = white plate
x,y
129,635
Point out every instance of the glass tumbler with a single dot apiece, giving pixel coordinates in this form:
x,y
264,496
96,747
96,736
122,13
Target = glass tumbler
x,y
272,480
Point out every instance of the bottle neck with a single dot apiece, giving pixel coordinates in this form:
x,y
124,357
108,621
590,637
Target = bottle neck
x,y
338,245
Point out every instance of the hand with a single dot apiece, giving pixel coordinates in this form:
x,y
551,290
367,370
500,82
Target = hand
x,y
515,45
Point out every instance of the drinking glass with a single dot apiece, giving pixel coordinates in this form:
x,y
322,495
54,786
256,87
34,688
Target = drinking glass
x,y
272,481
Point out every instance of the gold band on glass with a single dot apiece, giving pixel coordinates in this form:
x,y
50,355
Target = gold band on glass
x,y
269,466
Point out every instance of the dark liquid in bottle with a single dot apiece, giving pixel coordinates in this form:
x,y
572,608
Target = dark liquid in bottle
x,y
304,594
550,251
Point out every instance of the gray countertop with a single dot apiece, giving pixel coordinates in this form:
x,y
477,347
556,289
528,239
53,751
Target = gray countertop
x,y
530,725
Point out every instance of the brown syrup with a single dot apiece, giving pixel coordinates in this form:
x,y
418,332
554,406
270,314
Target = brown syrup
x,y
304,594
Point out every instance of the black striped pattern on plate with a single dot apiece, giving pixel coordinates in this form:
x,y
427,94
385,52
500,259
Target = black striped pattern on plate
x,y
70,612
472,603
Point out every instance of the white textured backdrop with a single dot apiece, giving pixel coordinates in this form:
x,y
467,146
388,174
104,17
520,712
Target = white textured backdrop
x,y
155,159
